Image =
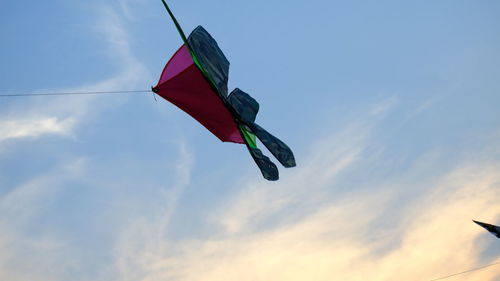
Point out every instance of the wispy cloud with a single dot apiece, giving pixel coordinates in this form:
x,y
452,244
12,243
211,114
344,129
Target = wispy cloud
x,y
434,237
327,160
143,242
62,115
20,249
28,252
34,128
384,105
307,227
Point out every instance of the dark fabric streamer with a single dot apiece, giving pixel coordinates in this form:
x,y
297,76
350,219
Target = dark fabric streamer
x,y
211,58
246,106
278,148
267,168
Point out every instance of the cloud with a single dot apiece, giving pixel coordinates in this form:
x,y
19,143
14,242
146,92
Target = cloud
x,y
432,238
308,227
37,242
266,199
384,106
143,240
40,116
35,254
28,249
34,128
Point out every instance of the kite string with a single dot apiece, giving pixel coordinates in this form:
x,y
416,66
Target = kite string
x,y
467,271
75,93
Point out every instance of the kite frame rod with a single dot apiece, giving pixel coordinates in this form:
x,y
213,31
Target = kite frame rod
x,y
185,40
177,25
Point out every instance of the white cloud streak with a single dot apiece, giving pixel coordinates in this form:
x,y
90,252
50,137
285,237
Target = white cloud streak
x,y
34,128
295,230
25,255
143,242
61,115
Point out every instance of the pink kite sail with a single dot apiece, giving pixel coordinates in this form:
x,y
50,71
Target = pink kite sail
x,y
182,84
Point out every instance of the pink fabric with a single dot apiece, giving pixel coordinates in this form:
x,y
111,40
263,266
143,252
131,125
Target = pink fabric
x,y
179,62
187,89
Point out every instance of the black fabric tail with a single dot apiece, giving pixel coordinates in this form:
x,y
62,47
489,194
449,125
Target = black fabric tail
x,y
278,148
244,105
247,108
267,168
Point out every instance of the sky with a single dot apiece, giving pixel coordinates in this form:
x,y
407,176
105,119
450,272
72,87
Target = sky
x,y
391,109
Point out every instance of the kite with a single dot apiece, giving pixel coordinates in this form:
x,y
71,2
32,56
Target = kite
x,y
195,80
493,229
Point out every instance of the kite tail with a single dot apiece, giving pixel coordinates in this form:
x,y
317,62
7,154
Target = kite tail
x,y
247,108
267,167
278,148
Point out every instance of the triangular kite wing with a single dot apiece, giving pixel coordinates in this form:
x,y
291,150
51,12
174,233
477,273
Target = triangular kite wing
x,y
182,84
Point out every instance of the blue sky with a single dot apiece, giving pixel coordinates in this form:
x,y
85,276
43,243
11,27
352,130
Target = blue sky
x,y
390,107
